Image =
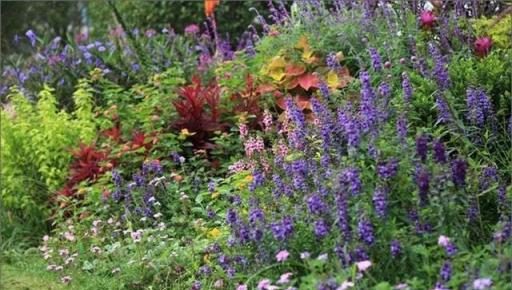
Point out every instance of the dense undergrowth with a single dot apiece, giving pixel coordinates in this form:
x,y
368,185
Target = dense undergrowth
x,y
340,145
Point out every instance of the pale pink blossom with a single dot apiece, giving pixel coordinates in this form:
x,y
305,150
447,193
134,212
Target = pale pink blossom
x,y
443,241
345,285
363,265
482,283
66,279
241,287
282,256
285,278
69,236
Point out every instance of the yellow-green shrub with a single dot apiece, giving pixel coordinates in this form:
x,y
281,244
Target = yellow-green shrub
x,y
35,141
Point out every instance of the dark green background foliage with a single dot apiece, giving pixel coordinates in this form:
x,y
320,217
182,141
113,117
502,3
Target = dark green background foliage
x,y
64,18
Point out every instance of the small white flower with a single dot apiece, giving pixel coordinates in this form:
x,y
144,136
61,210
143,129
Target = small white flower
x,y
110,221
428,6
116,270
323,257
157,215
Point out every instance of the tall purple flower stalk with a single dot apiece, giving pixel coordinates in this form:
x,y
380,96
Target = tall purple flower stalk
x,y
479,108
439,151
369,113
365,229
407,88
376,60
440,71
380,201
443,111
459,167
422,147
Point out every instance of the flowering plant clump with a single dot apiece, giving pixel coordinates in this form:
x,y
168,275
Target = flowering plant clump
x,y
336,145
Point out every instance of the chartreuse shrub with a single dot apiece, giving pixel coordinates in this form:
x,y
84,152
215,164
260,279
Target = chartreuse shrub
x,y
36,142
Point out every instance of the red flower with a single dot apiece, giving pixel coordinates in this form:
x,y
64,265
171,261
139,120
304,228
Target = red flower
x,y
483,46
427,19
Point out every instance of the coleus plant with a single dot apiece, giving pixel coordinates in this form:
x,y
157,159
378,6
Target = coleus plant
x,y
302,79
199,111
89,163
247,101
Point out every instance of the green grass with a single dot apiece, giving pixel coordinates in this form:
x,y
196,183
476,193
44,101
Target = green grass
x,y
23,271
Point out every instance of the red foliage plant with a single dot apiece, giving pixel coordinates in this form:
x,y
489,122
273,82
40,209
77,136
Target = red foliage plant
x,y
87,165
199,110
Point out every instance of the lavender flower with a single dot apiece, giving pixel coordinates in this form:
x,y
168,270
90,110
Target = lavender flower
x,y
368,110
387,169
459,167
31,37
342,212
351,128
315,204
473,209
365,229
479,108
421,147
446,271
282,229
406,86
401,128
376,60
423,182
350,177
396,248
321,228
332,61
380,201
440,72
439,151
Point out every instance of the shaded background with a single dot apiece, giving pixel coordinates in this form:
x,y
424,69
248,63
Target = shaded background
x,y
66,18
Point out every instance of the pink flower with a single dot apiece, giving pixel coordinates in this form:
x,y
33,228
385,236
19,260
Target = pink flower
x,y
69,236
345,285
482,283
192,29
282,256
96,223
363,265
46,238
266,284
66,279
427,19
136,236
241,287
443,241
218,284
483,46
285,278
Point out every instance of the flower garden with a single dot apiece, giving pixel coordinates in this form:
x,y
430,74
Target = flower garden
x,y
332,145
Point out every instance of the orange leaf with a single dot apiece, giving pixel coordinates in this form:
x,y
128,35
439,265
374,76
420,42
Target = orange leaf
x,y
306,81
280,102
292,83
209,6
265,88
303,102
294,70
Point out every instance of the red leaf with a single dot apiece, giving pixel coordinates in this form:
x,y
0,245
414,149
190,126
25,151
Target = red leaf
x,y
306,81
294,70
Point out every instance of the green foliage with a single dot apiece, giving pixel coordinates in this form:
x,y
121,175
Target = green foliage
x,y
498,28
36,140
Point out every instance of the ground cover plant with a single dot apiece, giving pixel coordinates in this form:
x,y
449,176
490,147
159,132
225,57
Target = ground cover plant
x,y
339,145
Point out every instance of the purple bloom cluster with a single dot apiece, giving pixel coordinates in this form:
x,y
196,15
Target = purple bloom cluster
x,y
376,60
407,87
365,229
459,167
380,202
479,108
387,169
440,70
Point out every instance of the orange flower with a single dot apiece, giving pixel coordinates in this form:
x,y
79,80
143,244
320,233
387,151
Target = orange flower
x,y
209,6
